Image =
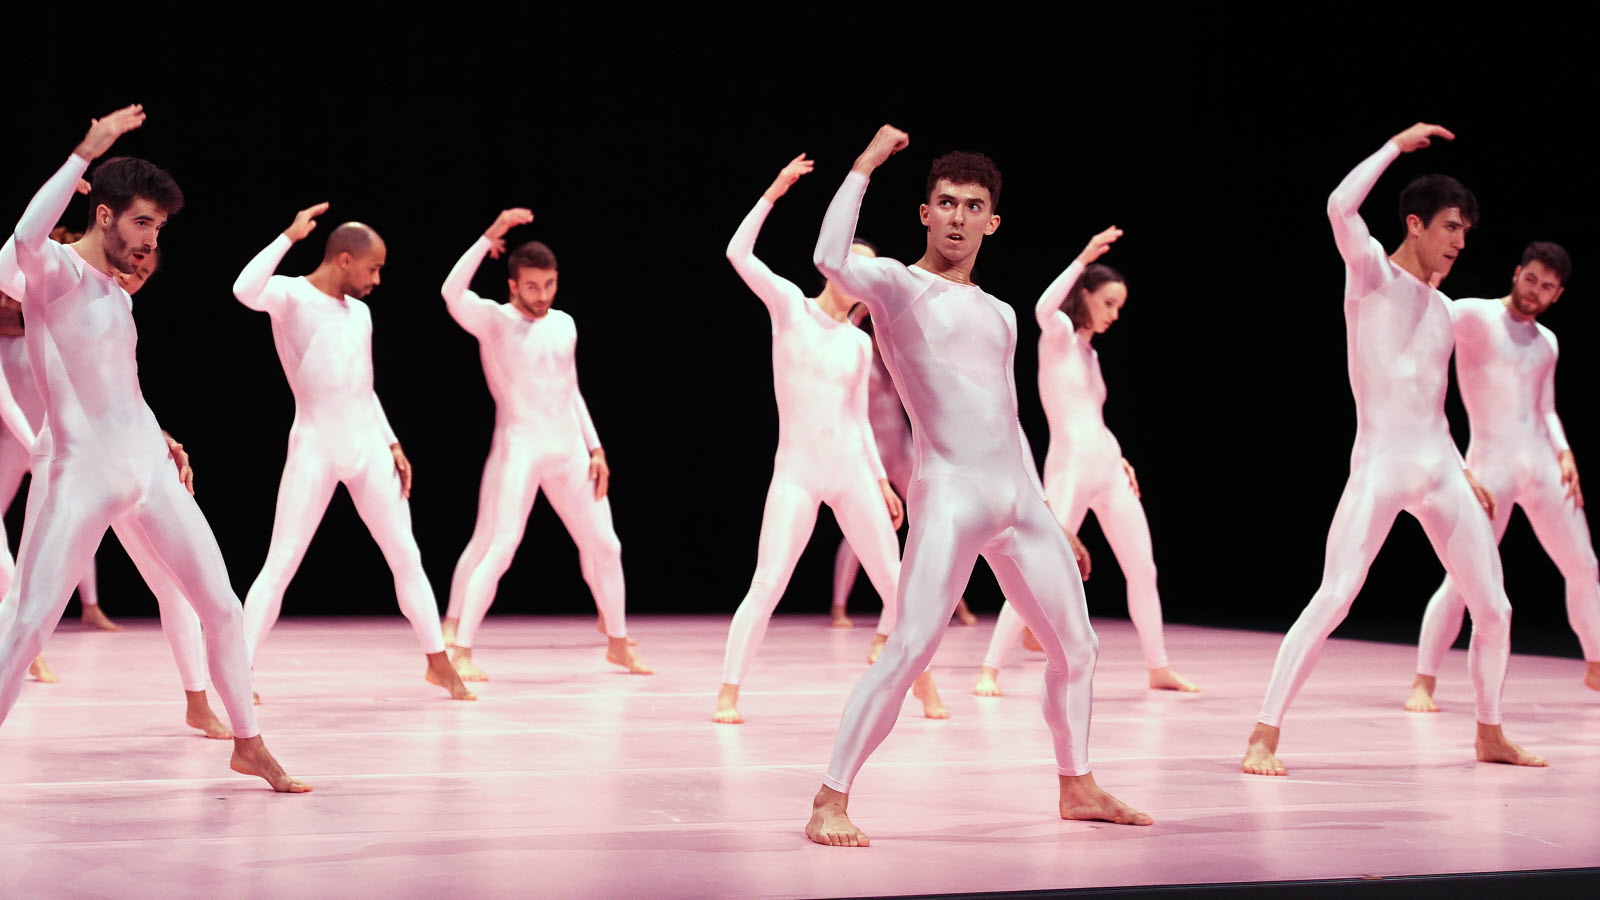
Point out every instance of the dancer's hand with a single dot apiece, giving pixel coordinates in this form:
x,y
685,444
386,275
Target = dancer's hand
x,y
786,178
103,132
887,142
402,467
82,186
1133,480
305,222
507,220
1485,499
897,510
599,472
181,459
1080,554
1421,135
1569,478
1099,244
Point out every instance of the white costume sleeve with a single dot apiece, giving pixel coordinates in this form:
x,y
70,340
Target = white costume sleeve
x,y
254,286
42,214
863,411
1048,310
1547,403
1363,255
388,432
781,296
13,285
882,284
591,438
470,311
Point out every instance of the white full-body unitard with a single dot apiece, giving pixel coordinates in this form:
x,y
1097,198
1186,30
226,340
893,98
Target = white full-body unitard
x,y
543,437
891,431
1398,343
974,491
1507,371
1083,471
340,435
102,461
826,452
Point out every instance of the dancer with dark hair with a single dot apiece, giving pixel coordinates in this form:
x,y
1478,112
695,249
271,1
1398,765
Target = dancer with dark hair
x,y
102,460
826,451
1397,327
543,439
1506,367
949,347
1084,469
323,333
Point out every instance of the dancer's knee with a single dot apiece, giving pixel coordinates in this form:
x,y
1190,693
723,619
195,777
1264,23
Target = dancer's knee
x,y
1492,619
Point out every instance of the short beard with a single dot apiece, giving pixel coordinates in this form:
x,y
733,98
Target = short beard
x,y
116,251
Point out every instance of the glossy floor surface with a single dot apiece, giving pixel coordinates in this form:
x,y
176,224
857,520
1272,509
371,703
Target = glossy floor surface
x,y
569,778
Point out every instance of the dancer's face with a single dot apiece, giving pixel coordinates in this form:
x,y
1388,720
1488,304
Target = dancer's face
x,y
363,273
533,290
1103,305
957,217
1440,241
133,281
1533,288
130,239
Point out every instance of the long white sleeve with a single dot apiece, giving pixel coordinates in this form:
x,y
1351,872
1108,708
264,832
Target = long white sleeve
x,y
1350,233
12,416
1048,310
1547,405
780,295
251,287
468,309
383,419
863,412
42,214
871,280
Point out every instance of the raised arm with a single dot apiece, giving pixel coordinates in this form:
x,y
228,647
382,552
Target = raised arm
x,y
1048,310
780,295
251,287
1350,231
468,309
870,280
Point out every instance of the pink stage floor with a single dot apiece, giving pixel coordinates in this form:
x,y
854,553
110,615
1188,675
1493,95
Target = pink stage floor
x,y
569,779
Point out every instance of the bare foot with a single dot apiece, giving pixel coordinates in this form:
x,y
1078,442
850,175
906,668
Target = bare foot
x,y
600,626
728,706
93,617
441,673
964,615
1082,799
41,673
461,658
1591,675
1421,699
840,620
988,683
1164,679
448,626
1029,642
251,757
618,653
1261,757
878,640
829,825
199,715
255,697
925,690
1494,747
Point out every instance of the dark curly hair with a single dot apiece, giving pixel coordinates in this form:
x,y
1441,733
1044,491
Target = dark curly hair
x,y
962,167
532,255
1553,255
1426,196
1092,279
120,179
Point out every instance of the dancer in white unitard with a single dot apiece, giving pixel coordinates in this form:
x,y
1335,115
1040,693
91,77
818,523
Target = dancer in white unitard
x,y
949,347
1506,366
891,431
178,620
1084,469
101,459
543,439
323,332
1398,340
826,452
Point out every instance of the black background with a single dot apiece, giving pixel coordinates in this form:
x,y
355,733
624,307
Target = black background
x,y
641,138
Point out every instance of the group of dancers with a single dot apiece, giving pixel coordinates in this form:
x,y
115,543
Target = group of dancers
x,y
915,422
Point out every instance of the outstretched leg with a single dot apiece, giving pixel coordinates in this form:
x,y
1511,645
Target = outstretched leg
x,y
1564,532
588,521
303,497
1127,530
510,486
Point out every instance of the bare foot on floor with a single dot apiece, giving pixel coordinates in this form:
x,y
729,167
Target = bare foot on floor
x,y
925,690
1421,699
41,673
1082,799
728,706
988,683
840,620
1493,747
600,626
1029,642
1164,679
830,825
441,673
251,757
461,658
1591,676
618,653
93,617
1261,757
964,615
199,715
878,640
